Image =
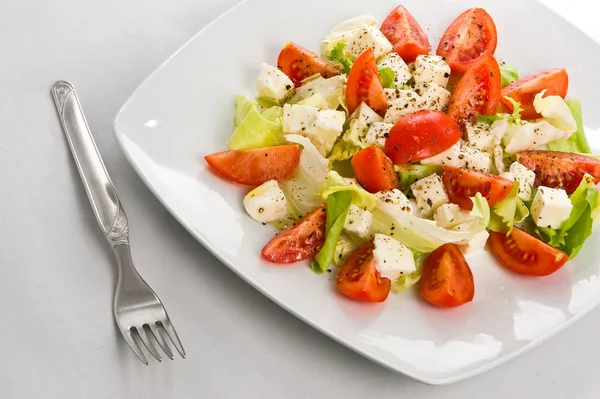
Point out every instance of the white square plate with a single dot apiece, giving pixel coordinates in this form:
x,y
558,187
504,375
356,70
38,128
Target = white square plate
x,y
185,110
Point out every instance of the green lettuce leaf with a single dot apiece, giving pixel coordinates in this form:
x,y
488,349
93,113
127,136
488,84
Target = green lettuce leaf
x,y
388,77
253,129
408,280
408,174
423,235
338,205
351,142
571,235
515,117
578,141
509,74
338,56
344,247
332,89
507,212
334,183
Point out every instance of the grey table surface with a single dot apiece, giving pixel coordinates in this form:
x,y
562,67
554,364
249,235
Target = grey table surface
x,y
57,273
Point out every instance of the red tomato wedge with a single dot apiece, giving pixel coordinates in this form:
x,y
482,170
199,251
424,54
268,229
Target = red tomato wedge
x,y
405,34
299,63
557,169
302,240
524,254
256,166
447,280
421,135
373,170
467,38
461,185
364,84
554,81
478,91
359,279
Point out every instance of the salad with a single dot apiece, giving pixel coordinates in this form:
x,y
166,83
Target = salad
x,y
391,164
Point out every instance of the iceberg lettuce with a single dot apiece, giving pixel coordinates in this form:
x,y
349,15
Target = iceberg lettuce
x,y
253,129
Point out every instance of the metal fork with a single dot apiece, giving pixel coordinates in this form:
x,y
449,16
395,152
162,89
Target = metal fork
x,y
139,313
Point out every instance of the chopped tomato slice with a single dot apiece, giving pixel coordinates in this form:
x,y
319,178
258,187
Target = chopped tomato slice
x,y
461,185
554,81
405,34
524,254
467,38
421,135
373,170
256,166
478,91
364,84
557,169
299,63
447,280
359,279
302,240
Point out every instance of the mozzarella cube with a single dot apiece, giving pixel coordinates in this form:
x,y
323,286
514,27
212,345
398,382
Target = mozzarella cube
x,y
266,203
298,119
368,37
483,136
327,128
366,115
524,176
393,201
429,193
401,107
392,258
394,94
272,84
450,216
431,68
470,158
396,64
378,132
551,207
448,157
358,221
475,244
434,96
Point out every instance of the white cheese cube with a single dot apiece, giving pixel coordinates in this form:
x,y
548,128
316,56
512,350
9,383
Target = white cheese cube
x,y
434,96
394,94
450,216
392,258
393,201
368,37
366,115
484,136
327,128
298,119
431,68
396,64
525,177
470,158
266,203
551,207
448,157
429,193
401,107
358,221
272,84
475,244
377,133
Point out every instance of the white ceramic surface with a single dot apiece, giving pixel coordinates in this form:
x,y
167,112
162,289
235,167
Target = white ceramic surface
x,y
185,109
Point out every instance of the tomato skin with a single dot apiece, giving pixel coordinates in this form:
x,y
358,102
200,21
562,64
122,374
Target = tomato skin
x,y
299,63
373,170
524,254
359,279
478,91
302,240
524,90
405,34
461,185
447,280
256,166
557,169
364,84
421,135
481,37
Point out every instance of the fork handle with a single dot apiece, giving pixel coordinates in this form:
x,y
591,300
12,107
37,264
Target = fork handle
x,y
98,186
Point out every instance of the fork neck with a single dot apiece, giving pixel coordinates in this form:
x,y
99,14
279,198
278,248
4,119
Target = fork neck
x,y
127,269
